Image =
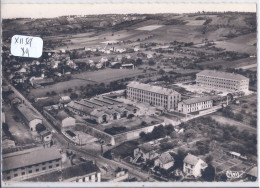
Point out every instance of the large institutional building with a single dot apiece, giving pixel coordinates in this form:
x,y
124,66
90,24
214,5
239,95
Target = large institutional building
x,y
195,104
25,164
153,95
222,80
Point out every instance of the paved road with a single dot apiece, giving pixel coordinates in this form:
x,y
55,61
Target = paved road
x,y
64,142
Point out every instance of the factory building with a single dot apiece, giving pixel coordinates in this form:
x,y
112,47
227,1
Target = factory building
x,y
30,117
222,80
153,95
101,109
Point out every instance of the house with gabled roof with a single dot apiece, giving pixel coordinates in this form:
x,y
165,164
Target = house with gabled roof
x,y
65,120
146,151
193,165
164,160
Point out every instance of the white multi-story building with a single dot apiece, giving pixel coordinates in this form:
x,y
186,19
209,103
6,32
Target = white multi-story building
x,y
222,80
195,104
154,95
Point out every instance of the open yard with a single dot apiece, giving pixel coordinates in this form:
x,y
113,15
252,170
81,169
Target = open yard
x,y
129,124
20,131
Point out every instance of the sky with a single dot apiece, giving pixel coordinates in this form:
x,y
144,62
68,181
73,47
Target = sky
x,y
55,10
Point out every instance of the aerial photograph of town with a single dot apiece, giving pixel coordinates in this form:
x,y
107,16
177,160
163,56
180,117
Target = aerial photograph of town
x,y
168,97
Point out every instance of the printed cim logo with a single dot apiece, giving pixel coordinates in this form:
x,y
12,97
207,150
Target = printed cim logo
x,y
234,174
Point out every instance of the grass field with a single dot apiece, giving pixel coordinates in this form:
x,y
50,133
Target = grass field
x,y
244,43
83,79
108,75
232,64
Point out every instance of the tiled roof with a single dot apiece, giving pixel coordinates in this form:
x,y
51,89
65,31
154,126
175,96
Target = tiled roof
x,y
191,159
146,147
165,158
197,100
30,158
151,88
62,115
27,112
225,75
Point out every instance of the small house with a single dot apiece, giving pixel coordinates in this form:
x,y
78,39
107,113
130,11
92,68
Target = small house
x,y
165,161
193,165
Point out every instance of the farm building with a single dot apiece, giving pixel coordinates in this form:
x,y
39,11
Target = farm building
x,y
65,120
195,104
165,160
101,109
27,163
193,165
29,115
222,80
153,95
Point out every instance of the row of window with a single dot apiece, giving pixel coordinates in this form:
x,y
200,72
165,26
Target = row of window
x,y
30,171
148,95
215,78
22,168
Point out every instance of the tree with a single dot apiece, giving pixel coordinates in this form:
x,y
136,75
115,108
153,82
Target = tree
x,y
239,117
138,62
169,129
143,123
73,96
142,135
209,159
151,62
108,155
130,116
158,132
209,173
53,93
161,71
179,157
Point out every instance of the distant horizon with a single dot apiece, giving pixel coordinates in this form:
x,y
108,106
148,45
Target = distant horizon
x,y
125,14
57,10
